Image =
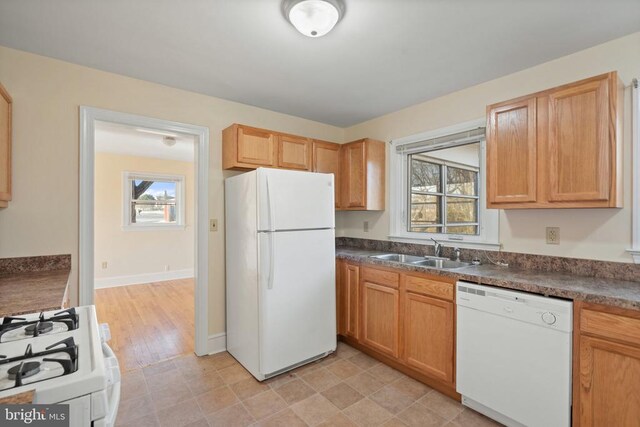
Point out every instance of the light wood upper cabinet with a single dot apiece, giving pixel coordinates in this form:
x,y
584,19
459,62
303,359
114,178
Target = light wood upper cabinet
x,y
606,367
512,161
558,148
380,317
326,159
428,335
244,147
363,175
294,152
358,167
580,148
5,147
354,181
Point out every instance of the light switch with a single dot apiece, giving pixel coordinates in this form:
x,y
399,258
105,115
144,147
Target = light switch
x,y
213,225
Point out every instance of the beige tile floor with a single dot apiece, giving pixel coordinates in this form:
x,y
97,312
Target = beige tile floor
x,y
346,389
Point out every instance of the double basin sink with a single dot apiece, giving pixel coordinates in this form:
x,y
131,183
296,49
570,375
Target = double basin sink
x,y
424,261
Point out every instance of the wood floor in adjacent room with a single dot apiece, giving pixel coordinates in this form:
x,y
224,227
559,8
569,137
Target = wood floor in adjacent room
x,y
150,322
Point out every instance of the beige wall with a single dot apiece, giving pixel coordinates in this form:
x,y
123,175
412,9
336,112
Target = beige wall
x,y
584,233
136,252
43,217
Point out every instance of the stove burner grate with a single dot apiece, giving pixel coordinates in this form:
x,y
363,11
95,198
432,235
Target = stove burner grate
x,y
43,328
25,370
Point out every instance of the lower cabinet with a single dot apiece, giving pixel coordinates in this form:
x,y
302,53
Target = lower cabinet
x,y
348,294
606,366
406,319
428,335
380,318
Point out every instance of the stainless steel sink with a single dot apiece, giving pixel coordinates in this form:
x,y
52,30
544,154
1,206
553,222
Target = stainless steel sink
x,y
408,259
441,263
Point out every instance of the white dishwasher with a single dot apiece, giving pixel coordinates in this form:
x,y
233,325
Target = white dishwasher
x,y
513,360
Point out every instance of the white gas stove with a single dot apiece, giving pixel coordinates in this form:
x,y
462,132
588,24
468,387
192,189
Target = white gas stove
x,y
63,356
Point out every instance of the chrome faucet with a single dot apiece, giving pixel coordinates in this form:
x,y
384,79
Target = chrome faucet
x,y
456,254
437,248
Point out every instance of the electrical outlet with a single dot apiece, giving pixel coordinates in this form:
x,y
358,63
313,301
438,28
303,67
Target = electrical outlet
x,y
365,226
553,235
104,265
213,225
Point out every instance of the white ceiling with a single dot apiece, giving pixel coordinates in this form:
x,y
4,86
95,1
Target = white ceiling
x,y
384,55
126,140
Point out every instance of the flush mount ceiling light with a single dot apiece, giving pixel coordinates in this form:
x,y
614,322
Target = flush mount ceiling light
x,y
313,18
169,141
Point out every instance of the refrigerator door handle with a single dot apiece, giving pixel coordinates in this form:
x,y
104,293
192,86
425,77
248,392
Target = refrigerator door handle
x,y
272,257
272,242
271,207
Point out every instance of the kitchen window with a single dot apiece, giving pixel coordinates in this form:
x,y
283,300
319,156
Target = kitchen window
x,y
444,196
153,201
438,188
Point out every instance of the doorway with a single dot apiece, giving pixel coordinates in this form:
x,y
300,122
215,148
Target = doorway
x,y
151,200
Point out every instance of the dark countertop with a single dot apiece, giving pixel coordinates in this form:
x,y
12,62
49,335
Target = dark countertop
x,y
619,293
33,284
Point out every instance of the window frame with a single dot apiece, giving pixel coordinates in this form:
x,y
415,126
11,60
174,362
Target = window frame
x,y
634,251
488,235
128,177
444,167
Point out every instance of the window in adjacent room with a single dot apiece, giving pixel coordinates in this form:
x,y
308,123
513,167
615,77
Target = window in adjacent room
x,y
153,201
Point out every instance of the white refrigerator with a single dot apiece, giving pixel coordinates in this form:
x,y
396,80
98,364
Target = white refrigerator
x,y
280,269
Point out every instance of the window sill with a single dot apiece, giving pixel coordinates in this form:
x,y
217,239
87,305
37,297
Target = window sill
x,y
153,227
449,242
635,254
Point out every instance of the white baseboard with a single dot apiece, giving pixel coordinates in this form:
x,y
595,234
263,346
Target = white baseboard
x,y
217,343
112,282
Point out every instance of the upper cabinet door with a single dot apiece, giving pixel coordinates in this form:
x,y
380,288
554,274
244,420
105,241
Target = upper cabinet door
x,y
5,147
354,184
511,152
256,147
326,159
579,145
558,148
294,152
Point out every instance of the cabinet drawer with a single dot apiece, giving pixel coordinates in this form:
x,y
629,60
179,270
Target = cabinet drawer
x,y
434,288
610,325
381,277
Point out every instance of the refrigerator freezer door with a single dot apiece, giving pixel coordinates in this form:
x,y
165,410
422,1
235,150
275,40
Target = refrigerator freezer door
x,y
298,305
294,200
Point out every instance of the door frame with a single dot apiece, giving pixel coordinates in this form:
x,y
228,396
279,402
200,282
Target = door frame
x,y
88,117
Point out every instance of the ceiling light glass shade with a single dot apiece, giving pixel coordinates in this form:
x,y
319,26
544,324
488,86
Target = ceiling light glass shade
x,y
169,141
314,18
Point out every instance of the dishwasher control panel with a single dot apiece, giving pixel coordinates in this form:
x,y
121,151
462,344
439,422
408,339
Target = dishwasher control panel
x,y
553,313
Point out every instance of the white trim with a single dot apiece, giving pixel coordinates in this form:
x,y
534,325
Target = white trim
x,y
490,246
138,279
88,117
635,167
217,343
489,218
127,176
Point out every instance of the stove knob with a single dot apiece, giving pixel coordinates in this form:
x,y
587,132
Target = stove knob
x,y
549,318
